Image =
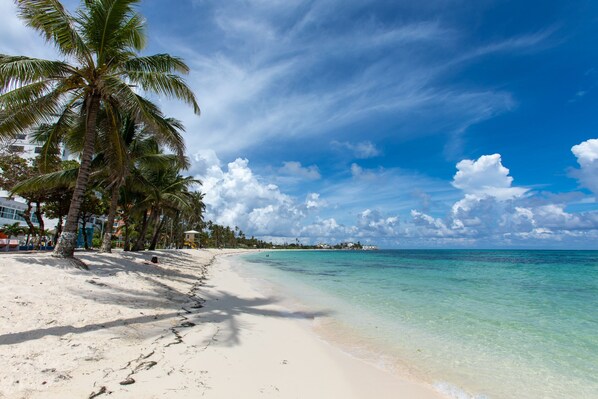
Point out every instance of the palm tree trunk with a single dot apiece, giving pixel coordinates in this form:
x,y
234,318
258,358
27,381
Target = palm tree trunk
x,y
157,234
84,231
27,217
127,244
65,247
139,244
58,229
107,240
40,220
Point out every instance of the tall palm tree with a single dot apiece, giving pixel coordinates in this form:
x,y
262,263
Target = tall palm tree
x,y
100,42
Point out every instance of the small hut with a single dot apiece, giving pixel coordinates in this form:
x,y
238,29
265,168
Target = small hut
x,y
192,239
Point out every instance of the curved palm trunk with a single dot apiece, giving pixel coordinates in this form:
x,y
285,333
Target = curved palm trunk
x,y
40,220
157,231
140,243
65,247
107,239
27,217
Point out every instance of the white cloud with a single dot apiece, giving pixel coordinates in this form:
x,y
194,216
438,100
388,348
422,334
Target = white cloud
x,y
313,201
363,174
264,80
295,169
371,222
237,197
361,150
495,213
328,229
486,176
587,158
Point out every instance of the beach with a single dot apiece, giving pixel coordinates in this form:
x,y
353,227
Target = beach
x,y
187,326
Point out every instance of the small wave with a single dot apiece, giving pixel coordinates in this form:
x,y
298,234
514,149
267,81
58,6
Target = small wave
x,y
455,392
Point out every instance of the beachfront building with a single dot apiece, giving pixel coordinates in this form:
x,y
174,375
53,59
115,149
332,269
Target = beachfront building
x,y
12,208
25,145
12,211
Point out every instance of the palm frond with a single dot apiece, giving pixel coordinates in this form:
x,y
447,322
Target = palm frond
x,y
146,112
39,110
51,135
17,71
56,25
110,25
164,63
48,181
170,85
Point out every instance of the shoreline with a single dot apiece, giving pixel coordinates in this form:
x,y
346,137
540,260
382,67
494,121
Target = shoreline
x,y
188,326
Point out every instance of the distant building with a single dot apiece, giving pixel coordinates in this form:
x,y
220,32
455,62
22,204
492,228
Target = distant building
x,y
369,248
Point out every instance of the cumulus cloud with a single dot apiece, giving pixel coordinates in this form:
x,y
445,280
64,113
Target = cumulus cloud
x,y
587,158
361,150
494,212
486,176
235,196
313,201
372,222
326,229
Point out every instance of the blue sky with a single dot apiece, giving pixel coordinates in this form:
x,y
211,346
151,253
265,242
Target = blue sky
x,y
398,123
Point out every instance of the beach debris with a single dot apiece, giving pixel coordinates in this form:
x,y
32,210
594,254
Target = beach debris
x,y
96,283
177,336
102,391
52,370
145,365
127,381
154,259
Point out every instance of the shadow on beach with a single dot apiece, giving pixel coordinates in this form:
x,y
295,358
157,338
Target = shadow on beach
x,y
220,308
224,308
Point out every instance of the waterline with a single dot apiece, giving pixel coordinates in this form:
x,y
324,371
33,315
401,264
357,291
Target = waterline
x,y
496,324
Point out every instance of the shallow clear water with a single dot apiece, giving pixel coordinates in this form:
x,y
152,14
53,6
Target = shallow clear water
x,y
477,324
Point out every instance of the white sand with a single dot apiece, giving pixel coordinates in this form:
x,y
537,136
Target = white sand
x,y
66,333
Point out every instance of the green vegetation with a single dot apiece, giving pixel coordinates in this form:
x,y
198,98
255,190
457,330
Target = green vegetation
x,y
100,42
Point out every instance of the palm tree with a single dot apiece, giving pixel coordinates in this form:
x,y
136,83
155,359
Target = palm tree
x,y
166,189
12,230
101,41
134,146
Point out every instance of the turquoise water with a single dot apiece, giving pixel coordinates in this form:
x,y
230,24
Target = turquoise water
x,y
476,324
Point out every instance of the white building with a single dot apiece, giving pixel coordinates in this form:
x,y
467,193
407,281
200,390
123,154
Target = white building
x,y
11,212
12,209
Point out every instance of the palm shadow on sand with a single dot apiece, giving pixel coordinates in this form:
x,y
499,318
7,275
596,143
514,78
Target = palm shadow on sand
x,y
220,307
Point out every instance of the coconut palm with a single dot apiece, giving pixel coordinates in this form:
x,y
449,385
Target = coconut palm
x,y
135,146
100,43
165,189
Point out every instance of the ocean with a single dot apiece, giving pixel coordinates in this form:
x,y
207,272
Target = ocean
x,y
475,324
